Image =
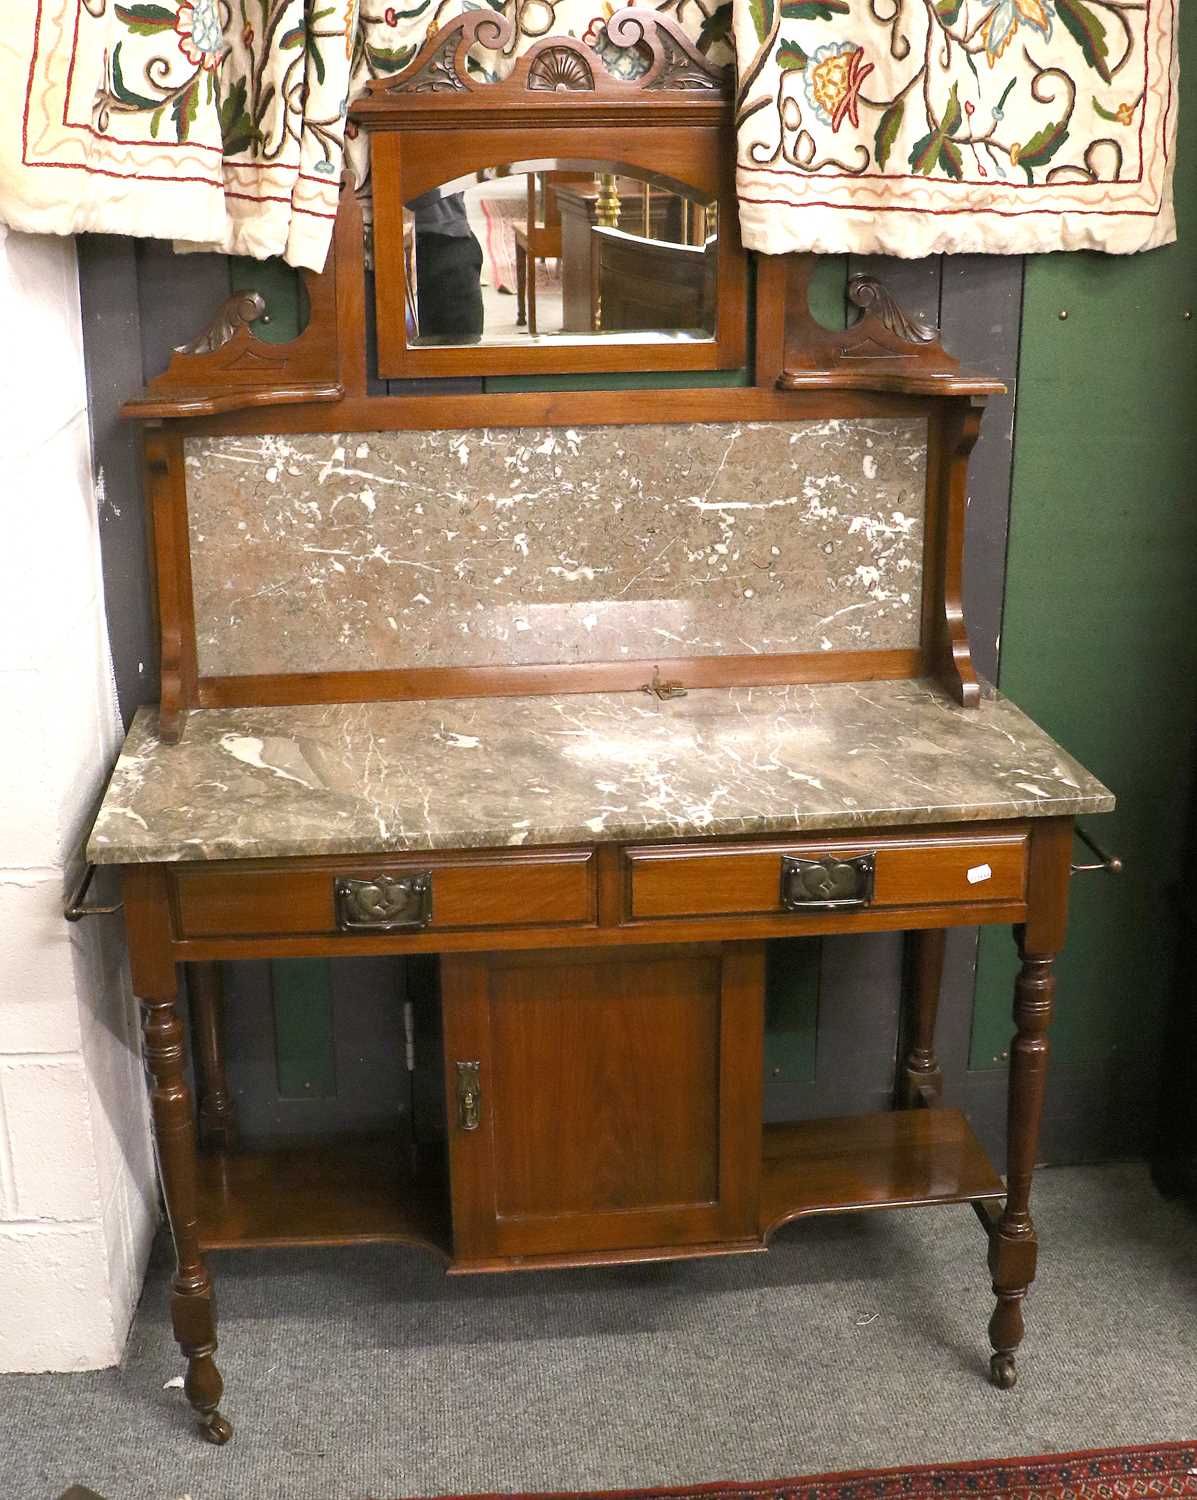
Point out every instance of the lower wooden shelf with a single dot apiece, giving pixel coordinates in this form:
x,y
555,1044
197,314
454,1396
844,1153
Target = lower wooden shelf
x,y
362,1190
894,1160
330,1193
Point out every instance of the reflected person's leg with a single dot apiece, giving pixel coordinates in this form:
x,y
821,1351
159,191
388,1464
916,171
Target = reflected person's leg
x,y
449,281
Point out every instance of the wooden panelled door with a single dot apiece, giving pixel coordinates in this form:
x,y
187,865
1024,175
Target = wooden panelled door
x,y
603,1100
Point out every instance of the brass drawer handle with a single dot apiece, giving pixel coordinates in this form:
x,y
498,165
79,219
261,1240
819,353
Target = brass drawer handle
x,y
384,904
827,884
469,1095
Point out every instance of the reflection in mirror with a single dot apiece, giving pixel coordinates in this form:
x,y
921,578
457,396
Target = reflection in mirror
x,y
560,252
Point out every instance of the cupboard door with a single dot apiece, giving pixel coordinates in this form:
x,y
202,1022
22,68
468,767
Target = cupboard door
x,y
603,1100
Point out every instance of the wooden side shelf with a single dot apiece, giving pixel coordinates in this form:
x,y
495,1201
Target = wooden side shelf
x,y
336,1193
896,1160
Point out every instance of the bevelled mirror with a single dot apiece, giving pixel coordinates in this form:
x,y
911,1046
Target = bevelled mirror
x,y
563,219
560,252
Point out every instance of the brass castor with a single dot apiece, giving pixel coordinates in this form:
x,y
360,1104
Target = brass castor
x,y
216,1429
1002,1371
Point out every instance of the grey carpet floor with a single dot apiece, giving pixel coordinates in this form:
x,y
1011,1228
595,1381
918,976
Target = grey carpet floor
x,y
856,1342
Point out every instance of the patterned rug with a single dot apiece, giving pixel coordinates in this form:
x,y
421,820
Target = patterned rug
x,y
1159,1471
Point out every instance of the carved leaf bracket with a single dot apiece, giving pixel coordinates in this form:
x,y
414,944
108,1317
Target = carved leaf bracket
x,y
885,350
228,368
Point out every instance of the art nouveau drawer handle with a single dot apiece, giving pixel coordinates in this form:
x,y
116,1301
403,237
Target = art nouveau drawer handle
x,y
827,884
384,904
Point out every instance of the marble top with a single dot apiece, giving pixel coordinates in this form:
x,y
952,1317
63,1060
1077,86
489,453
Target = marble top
x,y
377,778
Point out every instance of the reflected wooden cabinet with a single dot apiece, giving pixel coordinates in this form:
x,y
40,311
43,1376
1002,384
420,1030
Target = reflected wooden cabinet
x,y
660,215
603,1100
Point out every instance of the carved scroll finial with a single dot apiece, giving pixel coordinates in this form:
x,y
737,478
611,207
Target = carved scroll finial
x,y
677,63
440,66
242,309
872,297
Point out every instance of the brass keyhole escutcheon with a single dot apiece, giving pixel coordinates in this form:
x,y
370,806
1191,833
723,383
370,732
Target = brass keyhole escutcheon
x,y
469,1095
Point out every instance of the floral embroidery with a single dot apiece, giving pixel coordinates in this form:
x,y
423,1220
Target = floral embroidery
x,y
930,109
833,77
269,80
625,62
1001,25
201,34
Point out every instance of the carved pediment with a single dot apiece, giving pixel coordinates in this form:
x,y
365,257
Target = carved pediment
x,y
555,65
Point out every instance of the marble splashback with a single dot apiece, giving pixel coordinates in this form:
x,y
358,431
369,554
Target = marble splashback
x,y
500,546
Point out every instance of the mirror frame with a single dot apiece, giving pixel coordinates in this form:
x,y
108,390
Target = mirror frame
x,y
559,102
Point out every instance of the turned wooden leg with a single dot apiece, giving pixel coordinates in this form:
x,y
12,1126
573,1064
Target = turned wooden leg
x,y
1012,1241
521,285
921,1078
217,1112
192,1307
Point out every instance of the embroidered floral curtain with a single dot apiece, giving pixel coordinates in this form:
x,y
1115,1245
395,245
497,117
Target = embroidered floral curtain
x,y
895,126
222,123
908,127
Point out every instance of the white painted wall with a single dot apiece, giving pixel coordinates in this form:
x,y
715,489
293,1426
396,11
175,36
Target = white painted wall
x,y
78,1203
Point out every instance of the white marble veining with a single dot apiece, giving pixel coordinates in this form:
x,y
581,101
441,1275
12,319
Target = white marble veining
x,y
490,772
500,546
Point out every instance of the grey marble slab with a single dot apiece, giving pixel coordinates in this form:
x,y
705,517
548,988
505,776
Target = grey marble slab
x,y
385,550
489,772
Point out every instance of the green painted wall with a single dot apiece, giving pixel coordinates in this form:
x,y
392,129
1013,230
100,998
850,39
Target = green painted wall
x,y
304,1050
792,974
1098,639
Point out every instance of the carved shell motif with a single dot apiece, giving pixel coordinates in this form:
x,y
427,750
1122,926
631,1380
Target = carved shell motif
x,y
560,70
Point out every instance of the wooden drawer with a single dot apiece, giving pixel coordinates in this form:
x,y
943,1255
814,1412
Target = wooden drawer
x,y
691,880
555,888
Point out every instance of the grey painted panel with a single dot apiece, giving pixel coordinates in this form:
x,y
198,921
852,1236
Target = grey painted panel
x,y
1092,1112
180,295
859,992
981,314
112,350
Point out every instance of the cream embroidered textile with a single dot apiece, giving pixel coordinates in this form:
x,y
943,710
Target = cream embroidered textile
x,y
894,126
910,127
222,122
